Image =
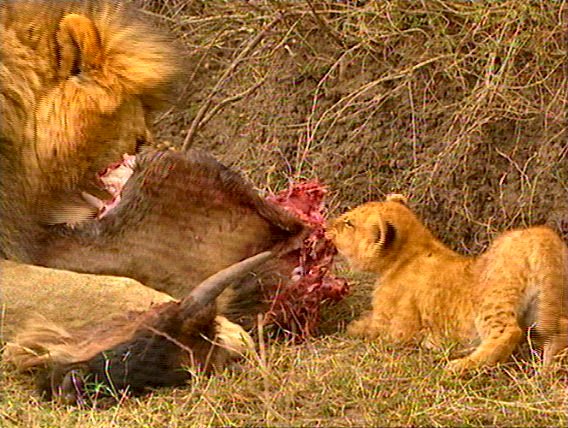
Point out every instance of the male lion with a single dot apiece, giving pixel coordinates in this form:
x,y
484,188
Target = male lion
x,y
427,293
77,82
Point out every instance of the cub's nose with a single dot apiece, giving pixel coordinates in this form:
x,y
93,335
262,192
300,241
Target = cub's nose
x,y
329,233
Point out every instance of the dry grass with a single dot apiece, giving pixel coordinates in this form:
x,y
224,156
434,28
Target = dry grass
x,y
328,381
460,105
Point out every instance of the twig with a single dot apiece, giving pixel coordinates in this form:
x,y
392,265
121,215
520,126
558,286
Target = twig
x,y
198,120
10,418
232,99
324,25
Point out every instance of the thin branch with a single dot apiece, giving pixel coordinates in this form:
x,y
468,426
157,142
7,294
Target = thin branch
x,y
198,120
324,25
232,99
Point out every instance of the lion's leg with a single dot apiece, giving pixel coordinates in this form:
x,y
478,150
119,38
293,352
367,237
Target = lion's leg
x,y
402,328
499,331
557,343
495,349
394,316
405,328
552,313
375,322
363,326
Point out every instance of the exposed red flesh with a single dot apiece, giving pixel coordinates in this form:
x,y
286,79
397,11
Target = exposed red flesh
x,y
296,304
113,178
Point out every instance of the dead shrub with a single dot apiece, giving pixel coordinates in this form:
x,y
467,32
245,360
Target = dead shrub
x,y
460,105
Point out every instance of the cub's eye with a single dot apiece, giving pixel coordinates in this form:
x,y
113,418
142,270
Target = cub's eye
x,y
348,222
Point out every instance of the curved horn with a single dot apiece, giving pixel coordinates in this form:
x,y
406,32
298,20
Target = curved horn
x,y
209,289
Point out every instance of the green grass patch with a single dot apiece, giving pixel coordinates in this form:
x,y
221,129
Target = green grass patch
x,y
332,380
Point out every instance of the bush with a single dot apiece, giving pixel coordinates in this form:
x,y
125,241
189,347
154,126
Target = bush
x,y
459,105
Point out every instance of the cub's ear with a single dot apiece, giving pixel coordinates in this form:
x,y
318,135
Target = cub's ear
x,y
389,236
79,45
397,197
386,235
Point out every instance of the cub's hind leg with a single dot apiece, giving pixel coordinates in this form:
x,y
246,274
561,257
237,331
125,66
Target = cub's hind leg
x,y
497,321
551,324
519,289
550,320
497,346
500,335
557,345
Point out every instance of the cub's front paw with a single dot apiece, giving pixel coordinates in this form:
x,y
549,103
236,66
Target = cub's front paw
x,y
361,328
461,366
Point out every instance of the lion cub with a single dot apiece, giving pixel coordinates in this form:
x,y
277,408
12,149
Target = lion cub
x,y
427,293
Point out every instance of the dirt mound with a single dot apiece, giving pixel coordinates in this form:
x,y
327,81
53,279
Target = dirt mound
x,y
459,105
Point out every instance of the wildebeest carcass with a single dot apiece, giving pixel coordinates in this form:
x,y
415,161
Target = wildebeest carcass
x,y
159,347
181,218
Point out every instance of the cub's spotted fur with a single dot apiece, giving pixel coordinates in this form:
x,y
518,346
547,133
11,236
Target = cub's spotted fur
x,y
427,293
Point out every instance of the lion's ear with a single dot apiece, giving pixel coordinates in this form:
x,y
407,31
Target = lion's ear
x,y
397,197
385,235
79,45
390,235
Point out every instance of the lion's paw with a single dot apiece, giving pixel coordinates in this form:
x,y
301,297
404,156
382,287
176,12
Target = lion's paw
x,y
461,366
361,328
354,329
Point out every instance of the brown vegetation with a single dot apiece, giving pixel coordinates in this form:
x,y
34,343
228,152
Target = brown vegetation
x,y
460,105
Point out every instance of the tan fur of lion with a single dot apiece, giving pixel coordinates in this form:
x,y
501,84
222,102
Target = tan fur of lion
x,y
67,298
77,81
39,307
427,293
